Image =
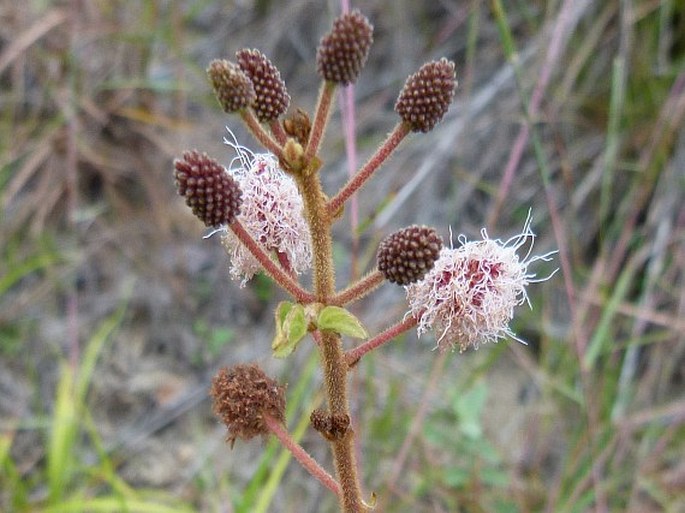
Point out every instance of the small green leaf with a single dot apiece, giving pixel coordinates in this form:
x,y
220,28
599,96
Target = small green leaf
x,y
281,311
291,327
339,320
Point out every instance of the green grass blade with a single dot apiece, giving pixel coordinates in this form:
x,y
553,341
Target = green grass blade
x,y
60,462
602,336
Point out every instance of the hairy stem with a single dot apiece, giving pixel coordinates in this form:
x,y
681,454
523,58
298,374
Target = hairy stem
x,y
309,463
323,109
353,355
355,183
358,290
332,355
277,131
277,274
260,134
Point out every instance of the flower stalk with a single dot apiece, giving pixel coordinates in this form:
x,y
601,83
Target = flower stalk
x,y
381,155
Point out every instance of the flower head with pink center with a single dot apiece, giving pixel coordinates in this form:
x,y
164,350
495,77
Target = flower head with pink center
x,y
272,213
469,296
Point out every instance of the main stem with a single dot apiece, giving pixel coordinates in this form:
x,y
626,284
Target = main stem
x,y
332,354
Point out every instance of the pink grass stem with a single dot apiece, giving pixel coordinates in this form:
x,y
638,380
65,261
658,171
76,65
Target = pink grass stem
x,y
393,140
552,57
273,270
347,111
354,355
302,456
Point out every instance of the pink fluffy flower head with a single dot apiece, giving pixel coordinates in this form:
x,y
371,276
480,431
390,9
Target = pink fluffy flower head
x,y
272,213
469,297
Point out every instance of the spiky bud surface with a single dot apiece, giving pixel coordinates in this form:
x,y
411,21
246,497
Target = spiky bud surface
x,y
209,190
405,256
242,395
343,51
427,95
271,97
232,87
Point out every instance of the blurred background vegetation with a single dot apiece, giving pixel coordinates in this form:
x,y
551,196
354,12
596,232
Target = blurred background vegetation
x,y
115,313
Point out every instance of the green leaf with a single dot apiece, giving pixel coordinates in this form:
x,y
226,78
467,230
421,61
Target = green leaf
x,y
291,327
339,320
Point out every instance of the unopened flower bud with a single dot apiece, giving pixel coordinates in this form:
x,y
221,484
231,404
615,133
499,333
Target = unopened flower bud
x,y
343,51
427,95
405,256
232,86
242,396
271,97
331,426
212,194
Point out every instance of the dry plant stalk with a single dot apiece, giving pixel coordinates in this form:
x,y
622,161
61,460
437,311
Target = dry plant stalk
x,y
275,217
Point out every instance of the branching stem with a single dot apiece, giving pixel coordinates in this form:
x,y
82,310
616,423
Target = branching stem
x,y
309,463
332,355
353,356
355,183
281,277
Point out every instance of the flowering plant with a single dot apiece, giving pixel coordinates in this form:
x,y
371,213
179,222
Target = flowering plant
x,y
275,217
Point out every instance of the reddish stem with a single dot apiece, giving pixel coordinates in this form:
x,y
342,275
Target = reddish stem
x,y
277,131
270,267
323,109
257,130
393,140
354,355
302,456
358,290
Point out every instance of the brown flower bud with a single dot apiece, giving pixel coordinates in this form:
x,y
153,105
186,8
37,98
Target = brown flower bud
x,y
405,256
232,86
242,396
342,52
271,97
331,426
427,95
298,126
213,195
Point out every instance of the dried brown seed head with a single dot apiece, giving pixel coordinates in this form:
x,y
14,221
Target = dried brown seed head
x,y
405,256
343,51
212,194
271,97
427,95
232,86
242,396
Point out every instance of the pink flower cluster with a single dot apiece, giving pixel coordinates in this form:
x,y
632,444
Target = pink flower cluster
x,y
272,213
468,298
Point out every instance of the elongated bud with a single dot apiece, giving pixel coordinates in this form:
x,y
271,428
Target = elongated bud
x,y
271,97
212,194
343,51
242,395
232,86
427,95
405,256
